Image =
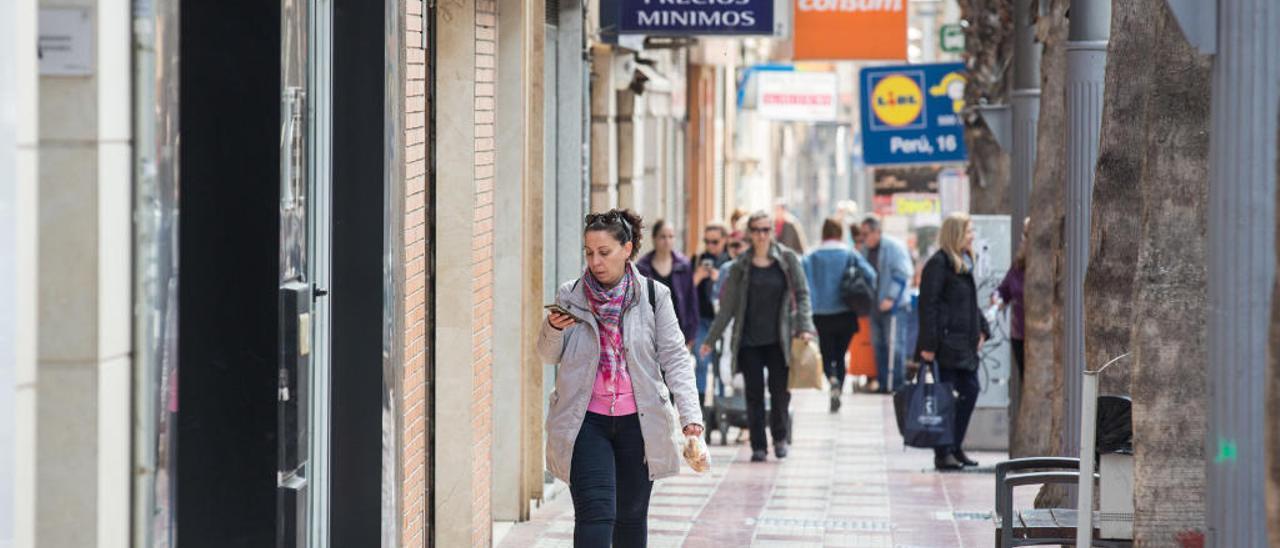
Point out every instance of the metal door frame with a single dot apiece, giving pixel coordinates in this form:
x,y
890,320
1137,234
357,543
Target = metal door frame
x,y
320,114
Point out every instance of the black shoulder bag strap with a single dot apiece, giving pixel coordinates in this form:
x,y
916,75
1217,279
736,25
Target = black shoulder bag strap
x,y
653,301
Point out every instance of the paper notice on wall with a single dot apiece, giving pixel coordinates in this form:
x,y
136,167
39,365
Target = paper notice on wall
x,y
65,45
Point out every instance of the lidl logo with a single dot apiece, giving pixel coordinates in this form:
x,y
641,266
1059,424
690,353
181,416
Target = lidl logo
x,y
897,100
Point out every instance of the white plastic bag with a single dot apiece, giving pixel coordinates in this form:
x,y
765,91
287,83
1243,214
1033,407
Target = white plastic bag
x,y
695,453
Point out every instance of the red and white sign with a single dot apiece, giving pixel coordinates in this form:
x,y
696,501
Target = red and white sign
x,y
797,96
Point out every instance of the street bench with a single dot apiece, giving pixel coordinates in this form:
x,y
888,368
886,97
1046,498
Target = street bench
x,y
1039,526
1047,526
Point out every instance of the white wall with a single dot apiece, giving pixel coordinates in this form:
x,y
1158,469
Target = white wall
x,y
85,312
18,124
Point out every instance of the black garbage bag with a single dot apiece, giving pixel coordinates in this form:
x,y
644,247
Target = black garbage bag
x,y
1115,425
926,412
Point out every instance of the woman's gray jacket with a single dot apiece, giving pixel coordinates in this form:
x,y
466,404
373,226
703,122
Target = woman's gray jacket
x,y
658,361
795,317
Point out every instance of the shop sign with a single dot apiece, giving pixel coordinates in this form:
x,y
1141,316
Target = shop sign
x,y
951,38
699,17
850,30
911,114
797,96
917,205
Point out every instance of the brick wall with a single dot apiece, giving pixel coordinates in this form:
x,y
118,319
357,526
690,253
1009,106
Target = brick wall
x,y
482,260
415,510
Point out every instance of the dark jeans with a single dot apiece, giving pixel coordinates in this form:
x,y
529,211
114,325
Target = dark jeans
x,y
966,384
752,361
880,335
609,482
834,333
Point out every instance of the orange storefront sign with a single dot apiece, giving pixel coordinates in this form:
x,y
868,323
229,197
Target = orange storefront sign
x,y
850,30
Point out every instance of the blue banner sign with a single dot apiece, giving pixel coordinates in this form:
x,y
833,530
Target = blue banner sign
x,y
911,114
695,17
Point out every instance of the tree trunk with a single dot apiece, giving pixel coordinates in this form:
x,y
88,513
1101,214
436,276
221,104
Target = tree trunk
x,y
1043,288
1115,231
1170,379
988,54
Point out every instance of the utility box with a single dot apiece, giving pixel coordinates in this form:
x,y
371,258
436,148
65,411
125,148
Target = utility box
x,y
1115,504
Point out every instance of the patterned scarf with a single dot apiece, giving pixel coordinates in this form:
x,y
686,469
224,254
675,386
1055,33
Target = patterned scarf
x,y
607,305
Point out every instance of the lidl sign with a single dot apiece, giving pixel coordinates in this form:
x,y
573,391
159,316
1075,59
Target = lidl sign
x,y
912,114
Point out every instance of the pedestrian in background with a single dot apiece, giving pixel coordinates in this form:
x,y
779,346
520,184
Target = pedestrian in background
x,y
787,228
953,328
738,245
609,423
894,269
1010,293
836,323
715,238
767,297
670,268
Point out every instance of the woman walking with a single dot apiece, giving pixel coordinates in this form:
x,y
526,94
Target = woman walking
x,y
667,266
1010,292
767,297
622,358
825,267
952,327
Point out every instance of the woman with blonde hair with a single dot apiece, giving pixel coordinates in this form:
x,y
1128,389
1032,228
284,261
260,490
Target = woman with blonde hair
x,y
952,327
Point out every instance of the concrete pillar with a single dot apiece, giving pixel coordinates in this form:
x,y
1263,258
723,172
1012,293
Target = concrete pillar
x,y
18,272
1086,71
517,448
573,126
1242,224
1025,100
650,196
509,497
631,118
455,486
85,308
604,130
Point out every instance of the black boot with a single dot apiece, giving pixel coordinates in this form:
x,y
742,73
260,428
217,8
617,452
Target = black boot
x,y
780,449
759,455
963,458
835,395
947,462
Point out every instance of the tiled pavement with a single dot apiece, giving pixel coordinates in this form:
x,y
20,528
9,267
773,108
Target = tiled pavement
x,y
847,482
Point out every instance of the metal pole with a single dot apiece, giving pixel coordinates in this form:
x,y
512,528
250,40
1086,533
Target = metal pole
x,y
1242,223
893,339
1088,439
1025,100
1086,70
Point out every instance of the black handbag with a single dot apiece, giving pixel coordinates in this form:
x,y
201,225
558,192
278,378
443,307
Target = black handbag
x,y
856,291
926,411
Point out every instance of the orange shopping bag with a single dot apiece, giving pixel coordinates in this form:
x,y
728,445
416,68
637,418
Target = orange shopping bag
x,y
862,357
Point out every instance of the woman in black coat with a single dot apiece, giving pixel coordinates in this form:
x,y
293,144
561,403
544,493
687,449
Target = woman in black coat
x,y
952,327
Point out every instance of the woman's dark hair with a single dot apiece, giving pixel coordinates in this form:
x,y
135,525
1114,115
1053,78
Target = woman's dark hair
x,y
623,225
657,227
831,229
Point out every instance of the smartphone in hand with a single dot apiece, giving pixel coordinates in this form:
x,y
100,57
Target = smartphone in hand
x,y
560,310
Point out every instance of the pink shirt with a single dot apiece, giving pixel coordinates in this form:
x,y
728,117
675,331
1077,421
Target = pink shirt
x,y
613,399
